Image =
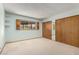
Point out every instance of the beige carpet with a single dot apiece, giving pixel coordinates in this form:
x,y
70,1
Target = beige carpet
x,y
39,46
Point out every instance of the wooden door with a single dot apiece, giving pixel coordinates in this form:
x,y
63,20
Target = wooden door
x,y
47,29
67,30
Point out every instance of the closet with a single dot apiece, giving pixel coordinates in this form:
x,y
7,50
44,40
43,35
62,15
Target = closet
x,y
47,29
67,30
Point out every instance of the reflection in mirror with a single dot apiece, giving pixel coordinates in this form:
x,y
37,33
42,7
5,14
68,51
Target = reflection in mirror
x,y
26,25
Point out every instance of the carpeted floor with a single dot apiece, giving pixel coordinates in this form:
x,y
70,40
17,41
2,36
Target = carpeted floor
x,y
39,46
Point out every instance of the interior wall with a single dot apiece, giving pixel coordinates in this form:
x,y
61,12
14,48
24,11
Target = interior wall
x,y
11,34
2,17
61,15
66,14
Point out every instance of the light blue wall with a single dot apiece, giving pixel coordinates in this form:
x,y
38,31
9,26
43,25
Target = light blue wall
x,y
2,17
11,34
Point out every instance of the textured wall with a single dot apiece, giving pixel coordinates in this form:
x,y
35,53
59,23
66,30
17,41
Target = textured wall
x,y
2,41
11,34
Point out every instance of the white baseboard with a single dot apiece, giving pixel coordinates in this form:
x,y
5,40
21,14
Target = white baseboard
x,y
1,49
22,40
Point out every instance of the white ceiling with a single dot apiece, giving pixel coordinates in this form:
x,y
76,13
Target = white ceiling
x,y
39,10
